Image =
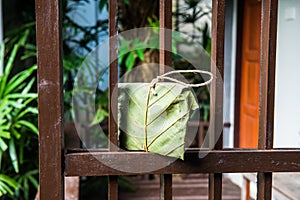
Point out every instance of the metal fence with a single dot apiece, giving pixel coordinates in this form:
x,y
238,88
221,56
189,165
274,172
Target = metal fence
x,y
56,162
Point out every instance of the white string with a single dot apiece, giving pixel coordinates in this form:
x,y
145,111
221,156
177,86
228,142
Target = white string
x,y
165,77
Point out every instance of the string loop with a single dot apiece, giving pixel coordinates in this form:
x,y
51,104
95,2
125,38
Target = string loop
x,y
165,77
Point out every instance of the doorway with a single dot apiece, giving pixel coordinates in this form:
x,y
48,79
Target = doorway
x,y
249,74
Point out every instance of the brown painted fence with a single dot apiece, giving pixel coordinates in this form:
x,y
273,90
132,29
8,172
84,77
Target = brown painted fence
x,y
55,162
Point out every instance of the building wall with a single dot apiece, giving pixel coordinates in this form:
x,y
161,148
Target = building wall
x,y
287,97
229,71
287,100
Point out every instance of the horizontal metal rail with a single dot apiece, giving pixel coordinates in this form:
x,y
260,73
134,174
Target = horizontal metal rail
x,y
216,161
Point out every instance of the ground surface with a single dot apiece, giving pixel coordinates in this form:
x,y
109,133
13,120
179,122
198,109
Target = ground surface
x,y
185,187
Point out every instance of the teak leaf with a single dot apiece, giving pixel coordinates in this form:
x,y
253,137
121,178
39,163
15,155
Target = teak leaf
x,y
155,123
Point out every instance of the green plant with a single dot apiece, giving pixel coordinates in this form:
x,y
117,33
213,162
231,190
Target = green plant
x,y
133,52
18,112
130,58
7,185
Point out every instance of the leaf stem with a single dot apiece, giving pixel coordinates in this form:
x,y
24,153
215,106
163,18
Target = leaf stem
x,y
145,120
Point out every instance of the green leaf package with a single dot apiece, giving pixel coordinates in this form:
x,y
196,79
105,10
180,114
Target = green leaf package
x,y
155,122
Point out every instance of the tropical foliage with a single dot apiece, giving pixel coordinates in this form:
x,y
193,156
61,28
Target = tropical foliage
x,y
18,117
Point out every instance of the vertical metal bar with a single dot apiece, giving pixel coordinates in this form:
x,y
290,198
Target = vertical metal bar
x,y
238,72
267,89
166,186
200,134
165,35
216,108
113,73
165,59
50,100
113,187
113,84
264,186
177,15
215,186
267,73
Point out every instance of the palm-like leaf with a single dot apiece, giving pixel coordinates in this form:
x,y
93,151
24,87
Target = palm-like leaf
x,y
155,123
16,112
7,184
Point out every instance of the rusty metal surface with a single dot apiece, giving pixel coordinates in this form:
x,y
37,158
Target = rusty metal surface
x,y
216,161
215,186
238,72
113,191
165,34
166,190
267,73
113,84
72,188
267,89
165,60
217,68
216,92
113,74
50,101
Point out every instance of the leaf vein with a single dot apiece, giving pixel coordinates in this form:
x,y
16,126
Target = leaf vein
x,y
176,147
157,136
132,99
166,107
166,92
